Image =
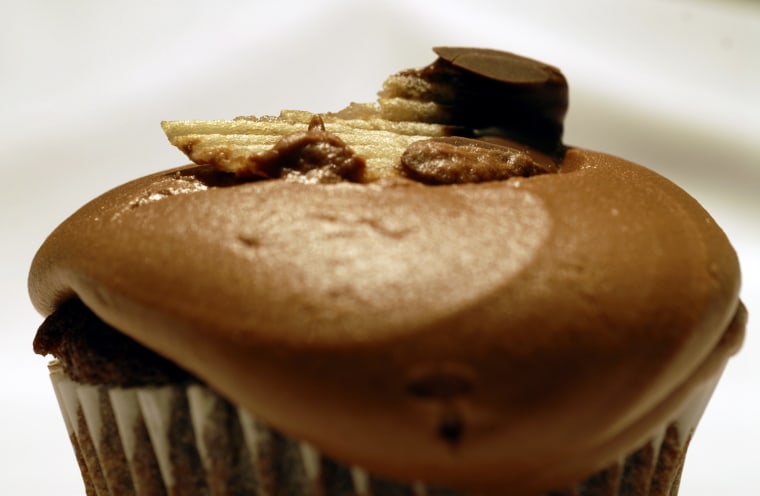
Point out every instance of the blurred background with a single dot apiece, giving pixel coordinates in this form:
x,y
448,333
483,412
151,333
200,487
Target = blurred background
x,y
674,85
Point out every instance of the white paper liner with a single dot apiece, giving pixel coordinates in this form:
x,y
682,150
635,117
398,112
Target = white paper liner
x,y
187,440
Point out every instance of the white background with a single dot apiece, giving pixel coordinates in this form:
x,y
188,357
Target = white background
x,y
673,85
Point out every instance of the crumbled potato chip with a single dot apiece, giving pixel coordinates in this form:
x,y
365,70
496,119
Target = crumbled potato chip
x,y
378,132
228,145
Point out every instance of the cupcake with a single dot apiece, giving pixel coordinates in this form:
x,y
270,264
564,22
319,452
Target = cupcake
x,y
427,295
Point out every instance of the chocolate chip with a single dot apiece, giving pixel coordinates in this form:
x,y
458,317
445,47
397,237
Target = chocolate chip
x,y
456,160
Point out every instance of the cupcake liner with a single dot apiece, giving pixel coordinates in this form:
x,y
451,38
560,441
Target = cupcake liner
x,y
186,440
138,448
106,442
65,392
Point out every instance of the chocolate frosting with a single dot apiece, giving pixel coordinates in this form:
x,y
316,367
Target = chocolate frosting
x,y
484,331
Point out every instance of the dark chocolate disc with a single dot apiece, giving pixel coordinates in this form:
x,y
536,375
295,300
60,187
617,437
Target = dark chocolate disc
x,y
504,67
496,93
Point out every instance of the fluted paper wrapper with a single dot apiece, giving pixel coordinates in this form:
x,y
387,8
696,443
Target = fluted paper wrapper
x,y
187,440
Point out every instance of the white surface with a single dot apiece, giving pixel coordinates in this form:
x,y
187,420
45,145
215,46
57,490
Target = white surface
x,y
83,86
